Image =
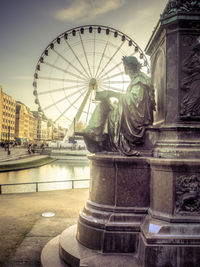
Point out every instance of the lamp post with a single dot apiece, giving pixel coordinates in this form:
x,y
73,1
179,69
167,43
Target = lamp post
x,y
8,140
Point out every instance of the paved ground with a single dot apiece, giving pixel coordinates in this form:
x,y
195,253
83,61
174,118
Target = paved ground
x,y
23,230
15,153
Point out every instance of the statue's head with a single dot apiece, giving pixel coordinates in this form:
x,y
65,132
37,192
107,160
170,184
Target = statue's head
x,y
131,64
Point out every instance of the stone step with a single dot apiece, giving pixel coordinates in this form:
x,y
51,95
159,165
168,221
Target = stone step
x,y
76,255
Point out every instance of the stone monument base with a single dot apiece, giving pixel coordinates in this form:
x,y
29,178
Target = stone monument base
x,y
169,244
141,211
109,225
75,254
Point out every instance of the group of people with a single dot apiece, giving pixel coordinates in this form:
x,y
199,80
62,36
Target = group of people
x,y
33,147
5,144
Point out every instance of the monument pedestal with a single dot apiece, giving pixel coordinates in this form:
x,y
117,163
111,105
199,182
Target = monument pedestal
x,y
110,224
170,234
116,227
110,221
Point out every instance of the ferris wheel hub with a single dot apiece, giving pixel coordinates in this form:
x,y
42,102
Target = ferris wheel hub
x,y
93,84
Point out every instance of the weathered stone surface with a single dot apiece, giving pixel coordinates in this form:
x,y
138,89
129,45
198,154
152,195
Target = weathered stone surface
x,y
174,50
73,253
102,175
169,244
175,190
119,199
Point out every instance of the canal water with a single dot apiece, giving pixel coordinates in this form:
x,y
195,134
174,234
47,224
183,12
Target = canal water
x,y
57,175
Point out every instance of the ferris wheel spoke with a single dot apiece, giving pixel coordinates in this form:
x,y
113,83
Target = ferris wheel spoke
x,y
88,111
132,54
55,103
85,54
57,90
63,70
77,58
103,54
79,112
77,91
112,76
117,50
63,98
82,106
115,82
116,66
112,88
94,49
70,63
60,79
70,106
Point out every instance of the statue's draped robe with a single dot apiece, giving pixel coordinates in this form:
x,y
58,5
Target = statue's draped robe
x,y
121,126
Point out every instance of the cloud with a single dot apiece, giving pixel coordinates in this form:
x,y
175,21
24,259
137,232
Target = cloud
x,y
85,10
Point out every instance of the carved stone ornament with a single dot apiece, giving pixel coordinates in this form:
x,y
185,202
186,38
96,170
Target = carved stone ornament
x,y
190,103
187,194
175,6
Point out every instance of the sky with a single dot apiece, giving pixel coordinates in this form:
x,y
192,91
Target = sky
x,y
27,27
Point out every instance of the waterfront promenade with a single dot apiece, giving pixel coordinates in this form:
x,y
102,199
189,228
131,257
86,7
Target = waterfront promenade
x,y
24,231
15,153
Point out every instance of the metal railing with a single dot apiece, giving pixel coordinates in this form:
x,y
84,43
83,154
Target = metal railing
x,y
46,182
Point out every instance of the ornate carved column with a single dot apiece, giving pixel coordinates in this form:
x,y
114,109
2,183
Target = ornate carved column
x,y
170,233
174,49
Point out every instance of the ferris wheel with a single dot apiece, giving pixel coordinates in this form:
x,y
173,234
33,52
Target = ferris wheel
x,y
77,64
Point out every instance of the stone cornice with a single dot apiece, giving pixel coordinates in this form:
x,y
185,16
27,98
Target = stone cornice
x,y
175,6
172,18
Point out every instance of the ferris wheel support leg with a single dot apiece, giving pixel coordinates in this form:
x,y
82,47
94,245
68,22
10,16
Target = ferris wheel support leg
x,y
72,127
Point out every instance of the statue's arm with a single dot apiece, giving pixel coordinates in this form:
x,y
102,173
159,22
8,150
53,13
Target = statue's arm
x,y
105,95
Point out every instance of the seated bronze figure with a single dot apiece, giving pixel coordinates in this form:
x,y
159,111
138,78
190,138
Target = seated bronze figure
x,y
120,126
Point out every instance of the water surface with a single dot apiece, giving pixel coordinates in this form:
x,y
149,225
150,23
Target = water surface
x,y
59,170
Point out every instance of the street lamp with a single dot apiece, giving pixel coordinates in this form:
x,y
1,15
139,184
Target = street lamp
x,y
8,140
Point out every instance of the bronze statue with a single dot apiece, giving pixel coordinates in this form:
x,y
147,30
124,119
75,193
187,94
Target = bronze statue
x,y
120,126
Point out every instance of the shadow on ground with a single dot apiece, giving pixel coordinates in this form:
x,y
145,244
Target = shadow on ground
x,y
24,231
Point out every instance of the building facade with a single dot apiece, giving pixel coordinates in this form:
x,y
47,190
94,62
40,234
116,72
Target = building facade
x,y
46,130
7,117
41,126
25,121
18,123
